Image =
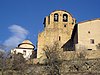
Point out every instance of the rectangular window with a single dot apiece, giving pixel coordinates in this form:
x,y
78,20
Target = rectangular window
x,y
89,49
24,52
64,25
15,52
48,19
89,32
44,22
59,38
92,41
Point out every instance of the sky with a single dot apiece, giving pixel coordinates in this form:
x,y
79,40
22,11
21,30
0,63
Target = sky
x,y
23,19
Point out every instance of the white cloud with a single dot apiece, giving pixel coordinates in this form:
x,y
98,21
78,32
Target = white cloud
x,y
18,35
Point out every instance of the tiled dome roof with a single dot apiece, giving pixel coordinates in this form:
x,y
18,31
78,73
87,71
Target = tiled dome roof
x,y
26,44
27,41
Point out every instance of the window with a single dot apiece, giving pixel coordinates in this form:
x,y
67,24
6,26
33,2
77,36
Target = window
x,y
89,49
59,38
73,21
48,19
24,52
65,17
56,17
89,32
44,22
64,25
15,52
92,41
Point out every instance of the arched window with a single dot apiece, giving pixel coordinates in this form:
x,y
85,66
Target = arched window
x,y
56,16
65,17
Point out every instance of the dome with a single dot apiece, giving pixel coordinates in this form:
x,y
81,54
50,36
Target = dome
x,y
26,44
27,41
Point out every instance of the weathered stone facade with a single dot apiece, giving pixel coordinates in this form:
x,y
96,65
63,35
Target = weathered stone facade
x,y
73,38
58,27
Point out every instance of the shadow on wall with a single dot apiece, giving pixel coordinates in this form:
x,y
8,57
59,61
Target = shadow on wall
x,y
70,44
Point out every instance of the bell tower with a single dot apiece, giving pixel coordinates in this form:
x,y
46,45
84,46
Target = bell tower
x,y
58,27
59,19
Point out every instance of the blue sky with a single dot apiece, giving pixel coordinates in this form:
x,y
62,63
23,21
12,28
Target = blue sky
x,y
23,19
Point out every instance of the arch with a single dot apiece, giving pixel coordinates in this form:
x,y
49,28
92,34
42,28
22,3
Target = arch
x,y
62,11
65,18
56,17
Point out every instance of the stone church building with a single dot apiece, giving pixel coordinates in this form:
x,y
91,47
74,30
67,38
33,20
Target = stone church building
x,y
72,38
58,27
61,27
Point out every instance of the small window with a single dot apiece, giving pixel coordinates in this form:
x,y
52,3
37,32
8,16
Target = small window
x,y
92,41
24,52
89,49
48,19
73,21
15,52
89,32
64,25
56,16
65,17
59,38
44,22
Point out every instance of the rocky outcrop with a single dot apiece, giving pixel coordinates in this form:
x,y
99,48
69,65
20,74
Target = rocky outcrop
x,y
68,67
65,67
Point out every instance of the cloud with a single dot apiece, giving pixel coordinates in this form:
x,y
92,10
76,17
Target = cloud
x,y
18,35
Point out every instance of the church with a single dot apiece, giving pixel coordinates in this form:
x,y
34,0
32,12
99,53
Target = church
x,y
61,27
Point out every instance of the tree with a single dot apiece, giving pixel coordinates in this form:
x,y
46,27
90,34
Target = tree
x,y
52,54
18,63
33,55
2,61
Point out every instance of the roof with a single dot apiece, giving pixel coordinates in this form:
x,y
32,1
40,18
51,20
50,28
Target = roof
x,y
61,10
26,44
89,20
27,41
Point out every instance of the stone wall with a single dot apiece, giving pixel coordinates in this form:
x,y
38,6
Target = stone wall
x,y
84,54
55,31
69,67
